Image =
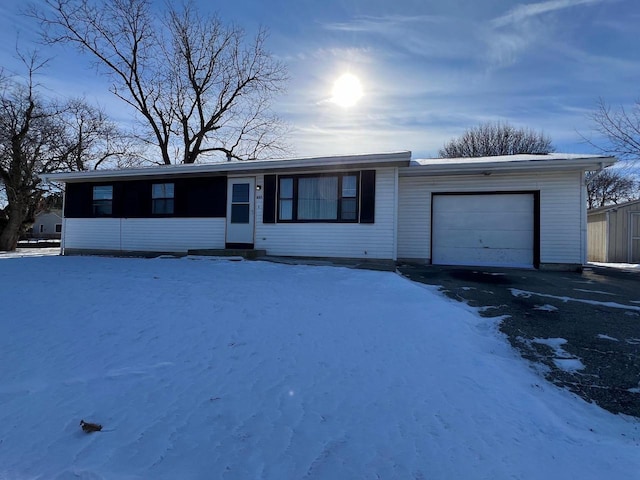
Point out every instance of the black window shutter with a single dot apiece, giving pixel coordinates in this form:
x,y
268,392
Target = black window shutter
x,y
269,203
78,202
367,196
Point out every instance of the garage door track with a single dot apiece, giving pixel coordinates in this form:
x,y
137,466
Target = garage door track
x,y
580,330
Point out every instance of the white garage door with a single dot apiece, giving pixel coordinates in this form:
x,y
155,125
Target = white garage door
x,y
488,230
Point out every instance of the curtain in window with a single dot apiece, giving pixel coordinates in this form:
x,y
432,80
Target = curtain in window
x,y
318,198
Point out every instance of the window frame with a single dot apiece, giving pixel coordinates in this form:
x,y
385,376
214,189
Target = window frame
x,y
165,199
339,212
98,202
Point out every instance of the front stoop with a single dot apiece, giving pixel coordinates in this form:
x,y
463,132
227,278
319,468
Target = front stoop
x,y
250,254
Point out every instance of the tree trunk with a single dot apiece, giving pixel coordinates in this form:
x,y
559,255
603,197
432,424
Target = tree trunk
x,y
11,233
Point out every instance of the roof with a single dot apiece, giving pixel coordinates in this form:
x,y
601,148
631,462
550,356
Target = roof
x,y
56,212
400,158
507,163
609,208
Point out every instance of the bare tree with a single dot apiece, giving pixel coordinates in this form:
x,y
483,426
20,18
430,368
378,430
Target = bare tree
x,y
620,128
199,87
40,136
93,141
490,139
28,146
610,186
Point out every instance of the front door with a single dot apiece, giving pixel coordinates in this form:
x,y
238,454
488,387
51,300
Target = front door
x,y
240,212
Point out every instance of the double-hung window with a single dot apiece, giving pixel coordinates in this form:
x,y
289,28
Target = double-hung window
x,y
102,200
322,198
162,196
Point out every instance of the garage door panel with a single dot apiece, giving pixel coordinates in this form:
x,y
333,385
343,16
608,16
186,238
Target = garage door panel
x,y
491,230
484,239
507,220
478,203
493,258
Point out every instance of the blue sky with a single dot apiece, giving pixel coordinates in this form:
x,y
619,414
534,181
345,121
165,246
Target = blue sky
x,y
429,68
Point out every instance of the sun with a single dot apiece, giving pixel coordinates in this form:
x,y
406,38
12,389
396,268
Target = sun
x,y
347,90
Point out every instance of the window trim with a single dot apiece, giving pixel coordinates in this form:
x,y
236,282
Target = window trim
x,y
164,199
339,219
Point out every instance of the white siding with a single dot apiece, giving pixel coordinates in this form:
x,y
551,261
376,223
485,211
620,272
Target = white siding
x,y
560,210
144,234
345,240
92,233
172,234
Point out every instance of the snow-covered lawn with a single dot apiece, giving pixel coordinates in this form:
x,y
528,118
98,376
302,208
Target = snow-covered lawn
x,y
206,368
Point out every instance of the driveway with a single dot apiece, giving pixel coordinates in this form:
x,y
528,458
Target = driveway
x,y
580,330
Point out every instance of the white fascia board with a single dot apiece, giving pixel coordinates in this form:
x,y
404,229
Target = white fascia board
x,y
484,167
401,158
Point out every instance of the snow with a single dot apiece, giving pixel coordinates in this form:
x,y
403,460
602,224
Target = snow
x,y
545,308
607,337
563,359
526,294
622,266
205,368
30,252
599,292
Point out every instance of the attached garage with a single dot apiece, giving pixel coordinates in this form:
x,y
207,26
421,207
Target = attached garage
x,y
490,229
505,211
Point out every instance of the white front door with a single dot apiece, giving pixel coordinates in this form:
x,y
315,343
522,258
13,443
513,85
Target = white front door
x,y
240,211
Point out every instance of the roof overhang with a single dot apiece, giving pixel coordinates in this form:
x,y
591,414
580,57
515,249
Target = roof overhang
x,y
506,164
611,208
311,164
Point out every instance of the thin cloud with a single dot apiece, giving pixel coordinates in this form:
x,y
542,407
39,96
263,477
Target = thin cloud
x,y
529,10
381,24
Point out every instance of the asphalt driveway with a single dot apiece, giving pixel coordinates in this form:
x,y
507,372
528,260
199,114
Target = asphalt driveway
x,y
580,330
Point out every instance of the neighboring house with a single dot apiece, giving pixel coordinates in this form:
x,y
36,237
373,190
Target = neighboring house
x,y
520,210
614,233
48,225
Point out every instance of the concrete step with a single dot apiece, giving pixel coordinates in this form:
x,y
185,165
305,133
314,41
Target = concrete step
x,y
248,253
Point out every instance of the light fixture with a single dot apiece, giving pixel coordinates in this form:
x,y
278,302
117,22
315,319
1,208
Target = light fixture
x,y
258,187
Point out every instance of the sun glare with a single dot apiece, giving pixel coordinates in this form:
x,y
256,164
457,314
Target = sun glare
x,y
347,90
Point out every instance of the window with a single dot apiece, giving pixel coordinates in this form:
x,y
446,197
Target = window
x,y
103,200
41,228
162,195
285,210
327,198
58,228
240,204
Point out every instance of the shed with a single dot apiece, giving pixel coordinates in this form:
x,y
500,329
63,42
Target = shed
x,y
613,234
512,211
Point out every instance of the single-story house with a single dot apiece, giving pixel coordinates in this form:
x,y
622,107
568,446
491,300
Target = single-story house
x,y
47,224
519,210
613,233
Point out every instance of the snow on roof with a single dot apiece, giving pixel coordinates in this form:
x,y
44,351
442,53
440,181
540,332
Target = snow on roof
x,y
507,159
487,165
239,166
402,159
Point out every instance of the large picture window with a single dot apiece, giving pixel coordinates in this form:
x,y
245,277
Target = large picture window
x,y
102,200
162,195
326,198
